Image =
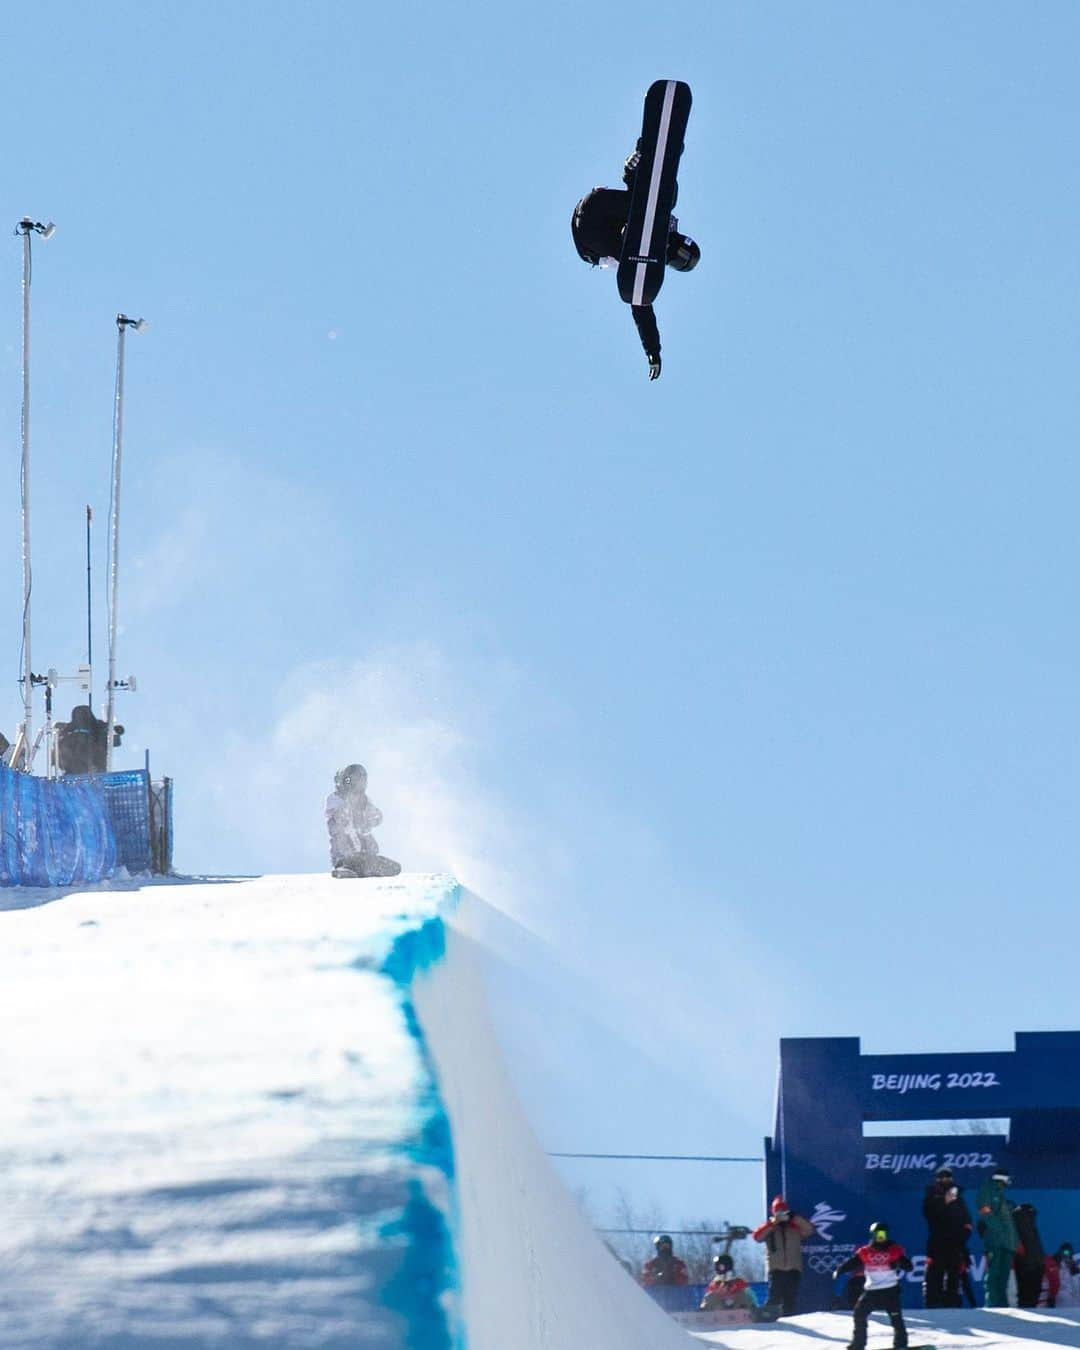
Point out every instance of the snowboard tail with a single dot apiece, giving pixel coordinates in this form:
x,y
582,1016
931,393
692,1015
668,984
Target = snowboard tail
x,y
644,251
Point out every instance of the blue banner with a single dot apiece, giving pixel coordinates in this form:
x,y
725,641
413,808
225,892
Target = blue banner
x,y
828,1169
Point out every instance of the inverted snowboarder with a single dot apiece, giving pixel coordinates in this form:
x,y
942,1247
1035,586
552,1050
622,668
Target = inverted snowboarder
x,y
634,229
350,818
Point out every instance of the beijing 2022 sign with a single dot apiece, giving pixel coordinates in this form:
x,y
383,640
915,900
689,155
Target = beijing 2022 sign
x,y
834,1152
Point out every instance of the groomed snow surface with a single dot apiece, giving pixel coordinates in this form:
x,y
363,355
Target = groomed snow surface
x,y
947,1328
216,1123
273,1112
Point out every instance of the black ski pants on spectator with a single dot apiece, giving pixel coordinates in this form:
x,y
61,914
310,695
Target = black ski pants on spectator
x,y
941,1287
1028,1284
879,1300
784,1290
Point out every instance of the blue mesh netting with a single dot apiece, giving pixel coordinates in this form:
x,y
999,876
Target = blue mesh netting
x,y
127,800
53,833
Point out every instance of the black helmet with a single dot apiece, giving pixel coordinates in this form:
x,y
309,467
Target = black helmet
x,y
352,778
662,1240
879,1233
682,253
723,1265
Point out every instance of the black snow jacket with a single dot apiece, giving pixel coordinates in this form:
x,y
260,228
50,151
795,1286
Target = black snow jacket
x,y
948,1221
1030,1252
597,225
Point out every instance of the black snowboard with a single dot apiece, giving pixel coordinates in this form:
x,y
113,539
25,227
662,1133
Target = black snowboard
x,y
641,267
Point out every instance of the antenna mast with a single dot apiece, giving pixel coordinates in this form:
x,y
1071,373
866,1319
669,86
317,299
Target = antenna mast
x,y
26,227
123,323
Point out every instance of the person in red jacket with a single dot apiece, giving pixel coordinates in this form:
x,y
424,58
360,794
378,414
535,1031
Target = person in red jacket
x,y
665,1267
782,1234
727,1290
880,1263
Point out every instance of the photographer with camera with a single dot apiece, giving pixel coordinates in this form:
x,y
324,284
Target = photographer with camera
x,y
783,1233
948,1220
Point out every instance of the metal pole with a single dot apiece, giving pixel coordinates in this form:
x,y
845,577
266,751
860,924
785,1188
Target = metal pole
x,y
26,227
89,613
123,323
28,685
114,537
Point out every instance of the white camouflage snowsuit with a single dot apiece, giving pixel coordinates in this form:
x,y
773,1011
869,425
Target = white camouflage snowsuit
x,y
350,818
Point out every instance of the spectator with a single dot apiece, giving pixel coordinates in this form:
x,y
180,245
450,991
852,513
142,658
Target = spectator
x,y
948,1220
998,1232
350,818
665,1267
880,1263
726,1289
81,744
782,1234
1062,1284
1030,1259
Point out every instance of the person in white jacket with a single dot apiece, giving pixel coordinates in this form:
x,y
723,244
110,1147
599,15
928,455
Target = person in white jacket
x,y
350,818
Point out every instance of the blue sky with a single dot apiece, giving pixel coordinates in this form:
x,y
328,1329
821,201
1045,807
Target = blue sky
x,y
753,689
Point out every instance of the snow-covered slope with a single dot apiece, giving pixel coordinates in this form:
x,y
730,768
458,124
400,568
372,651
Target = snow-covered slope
x,y
943,1328
217,1125
224,1122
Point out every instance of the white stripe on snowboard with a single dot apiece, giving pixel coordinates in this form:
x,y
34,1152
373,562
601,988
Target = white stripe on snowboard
x,y
654,187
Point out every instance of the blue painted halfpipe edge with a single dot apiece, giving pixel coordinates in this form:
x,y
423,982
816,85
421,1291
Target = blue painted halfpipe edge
x,y
426,1288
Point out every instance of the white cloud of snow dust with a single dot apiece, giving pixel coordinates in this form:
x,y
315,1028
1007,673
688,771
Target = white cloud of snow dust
x,y
392,713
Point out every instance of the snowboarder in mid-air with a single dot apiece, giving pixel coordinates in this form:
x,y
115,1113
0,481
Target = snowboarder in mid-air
x,y
632,227
350,818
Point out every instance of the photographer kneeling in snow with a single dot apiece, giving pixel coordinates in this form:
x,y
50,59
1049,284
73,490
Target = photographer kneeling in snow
x,y
350,818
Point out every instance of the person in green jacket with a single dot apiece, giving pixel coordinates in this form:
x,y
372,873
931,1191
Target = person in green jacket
x,y
997,1228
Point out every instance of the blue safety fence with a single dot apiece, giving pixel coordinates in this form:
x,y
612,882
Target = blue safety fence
x,y
53,832
161,825
127,800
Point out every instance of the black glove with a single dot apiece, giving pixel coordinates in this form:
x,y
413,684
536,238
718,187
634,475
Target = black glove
x,y
654,366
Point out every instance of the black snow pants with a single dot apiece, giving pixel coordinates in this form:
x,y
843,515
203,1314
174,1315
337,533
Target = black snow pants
x,y
941,1286
879,1300
1028,1284
783,1290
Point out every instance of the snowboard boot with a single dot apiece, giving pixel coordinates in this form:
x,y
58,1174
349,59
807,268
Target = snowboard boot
x,y
344,872
381,867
